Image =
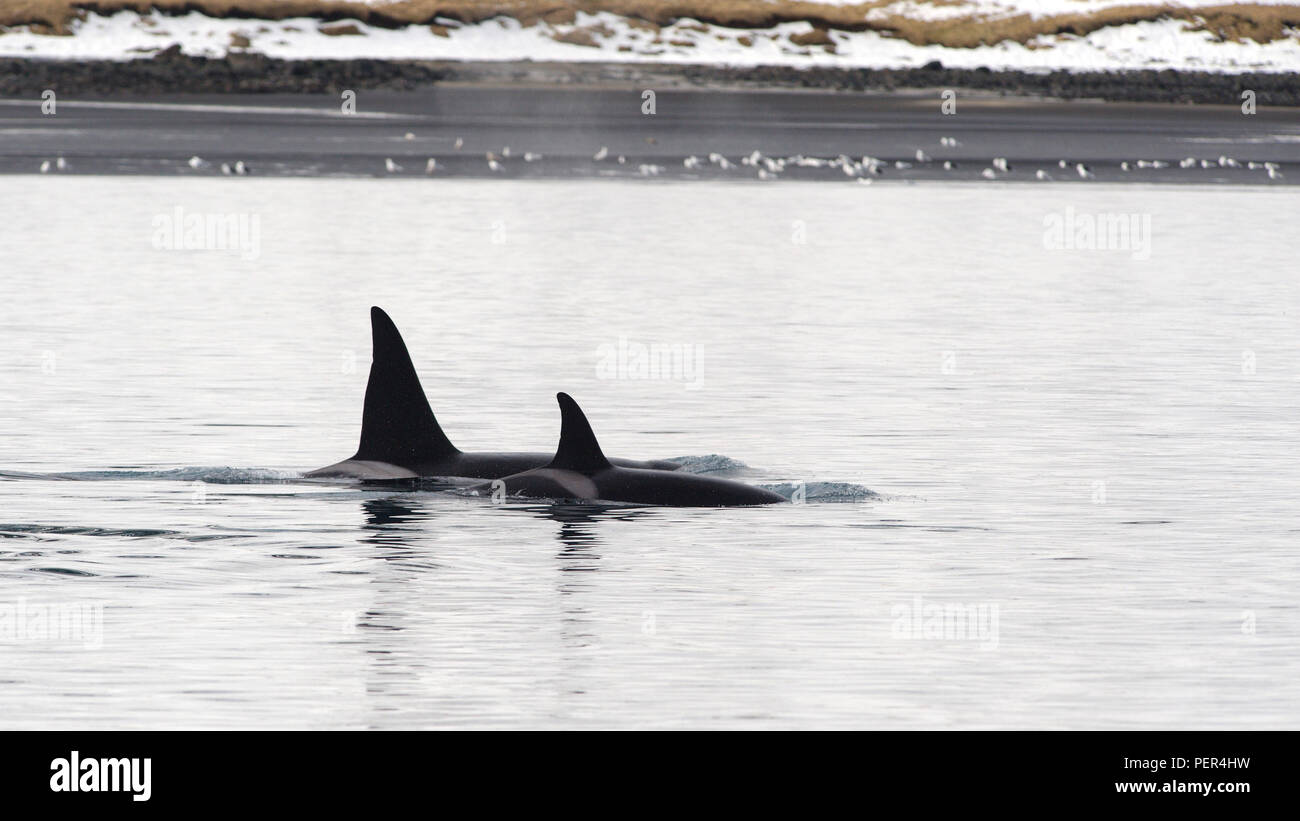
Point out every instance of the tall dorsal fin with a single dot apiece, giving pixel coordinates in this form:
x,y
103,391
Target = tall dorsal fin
x,y
578,449
397,425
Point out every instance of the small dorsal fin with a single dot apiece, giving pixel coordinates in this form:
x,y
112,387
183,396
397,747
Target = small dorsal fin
x,y
578,450
397,425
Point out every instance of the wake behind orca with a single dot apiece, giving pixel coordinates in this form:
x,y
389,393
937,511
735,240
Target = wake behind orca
x,y
401,439
581,472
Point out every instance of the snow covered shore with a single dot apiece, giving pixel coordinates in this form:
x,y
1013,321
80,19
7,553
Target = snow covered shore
x,y
1197,39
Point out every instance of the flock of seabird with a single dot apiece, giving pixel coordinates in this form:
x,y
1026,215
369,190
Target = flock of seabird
x,y
863,169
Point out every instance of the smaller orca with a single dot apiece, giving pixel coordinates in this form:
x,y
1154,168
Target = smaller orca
x,y
581,472
401,439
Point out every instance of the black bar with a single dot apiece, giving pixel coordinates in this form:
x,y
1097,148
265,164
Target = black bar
x,y
330,770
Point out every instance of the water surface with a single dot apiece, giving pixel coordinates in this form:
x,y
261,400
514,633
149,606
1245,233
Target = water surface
x,y
1091,451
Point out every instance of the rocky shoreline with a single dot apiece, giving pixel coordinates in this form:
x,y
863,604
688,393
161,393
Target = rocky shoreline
x,y
172,72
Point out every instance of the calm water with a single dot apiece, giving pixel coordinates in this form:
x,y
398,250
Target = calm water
x,y
1091,456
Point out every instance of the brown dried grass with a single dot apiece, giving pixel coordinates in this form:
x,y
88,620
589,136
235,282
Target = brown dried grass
x,y
1236,21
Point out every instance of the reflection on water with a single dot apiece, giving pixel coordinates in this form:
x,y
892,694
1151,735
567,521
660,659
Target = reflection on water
x,y
391,519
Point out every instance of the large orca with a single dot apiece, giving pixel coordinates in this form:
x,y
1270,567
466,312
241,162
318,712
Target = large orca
x,y
581,472
401,439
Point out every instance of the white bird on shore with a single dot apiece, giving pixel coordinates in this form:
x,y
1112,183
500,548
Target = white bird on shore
x,y
45,167
61,164
390,166
1001,164
902,166
649,170
225,169
720,161
460,142
691,162
949,142
197,162
1273,173
948,165
989,174
764,174
530,156
430,166
622,160
1123,166
1158,164
1062,164
1084,171
921,156
1206,164
493,165
240,169
1187,163
864,181
1042,175
1228,162
601,154
408,136
505,152
752,159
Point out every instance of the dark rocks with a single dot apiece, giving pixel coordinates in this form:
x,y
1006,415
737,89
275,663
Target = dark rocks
x,y
171,71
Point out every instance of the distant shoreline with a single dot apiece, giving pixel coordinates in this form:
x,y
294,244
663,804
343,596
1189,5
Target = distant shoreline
x,y
173,72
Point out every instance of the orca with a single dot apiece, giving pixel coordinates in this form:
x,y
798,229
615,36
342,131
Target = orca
x,y
401,439
581,472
